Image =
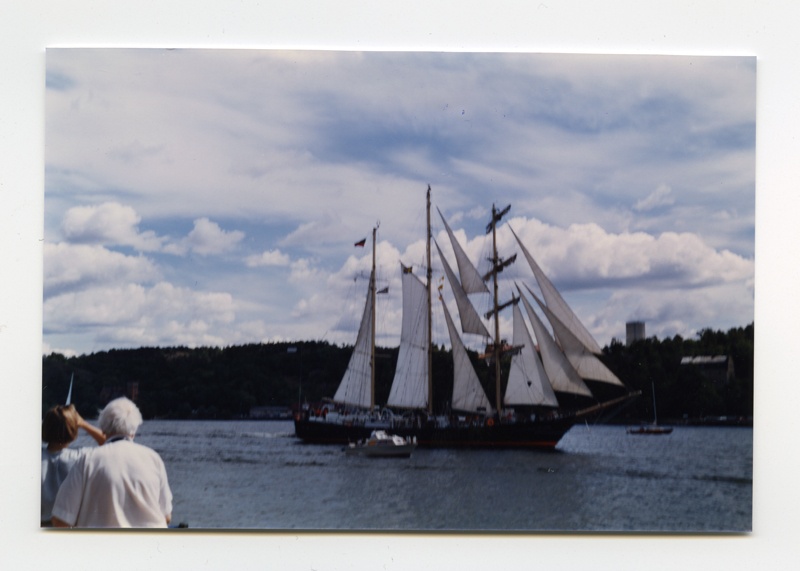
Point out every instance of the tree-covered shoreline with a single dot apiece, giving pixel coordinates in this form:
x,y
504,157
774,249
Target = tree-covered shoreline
x,y
226,383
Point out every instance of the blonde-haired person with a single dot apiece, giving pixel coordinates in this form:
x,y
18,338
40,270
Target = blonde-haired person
x,y
121,484
60,426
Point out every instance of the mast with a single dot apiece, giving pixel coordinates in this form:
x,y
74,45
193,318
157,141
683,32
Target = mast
x,y
498,400
498,265
372,333
430,309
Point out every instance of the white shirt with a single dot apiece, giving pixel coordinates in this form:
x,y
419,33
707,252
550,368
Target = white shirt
x,y
55,467
119,484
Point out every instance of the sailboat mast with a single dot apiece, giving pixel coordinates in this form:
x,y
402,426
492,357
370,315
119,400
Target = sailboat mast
x,y
372,333
430,308
497,349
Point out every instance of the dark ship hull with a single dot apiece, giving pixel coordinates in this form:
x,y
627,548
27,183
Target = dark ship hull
x,y
543,435
444,432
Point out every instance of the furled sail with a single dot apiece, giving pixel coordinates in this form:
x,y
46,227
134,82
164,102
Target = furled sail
x,y
563,376
471,280
470,320
586,363
557,304
527,381
410,384
468,394
356,384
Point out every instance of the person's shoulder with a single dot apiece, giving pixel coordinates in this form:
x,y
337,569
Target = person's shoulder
x,y
77,453
66,454
144,449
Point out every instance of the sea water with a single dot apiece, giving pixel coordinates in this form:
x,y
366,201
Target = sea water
x,y
258,475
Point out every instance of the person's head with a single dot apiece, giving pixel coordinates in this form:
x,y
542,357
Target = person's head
x,y
60,424
120,417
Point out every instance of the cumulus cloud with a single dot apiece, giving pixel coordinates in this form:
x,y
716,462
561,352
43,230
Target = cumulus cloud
x,y
109,223
47,349
585,256
75,266
206,238
662,196
133,314
669,313
268,258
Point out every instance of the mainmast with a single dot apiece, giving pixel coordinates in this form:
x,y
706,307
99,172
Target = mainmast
x,y
498,265
498,401
430,308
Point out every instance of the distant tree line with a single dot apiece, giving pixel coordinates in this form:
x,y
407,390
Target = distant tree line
x,y
225,383
687,391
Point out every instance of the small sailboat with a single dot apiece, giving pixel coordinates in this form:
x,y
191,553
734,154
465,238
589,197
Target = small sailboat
x,y
381,444
653,428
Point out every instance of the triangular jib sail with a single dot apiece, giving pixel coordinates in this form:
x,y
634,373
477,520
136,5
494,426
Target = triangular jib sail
x,y
527,381
471,280
468,394
563,377
556,303
587,365
470,320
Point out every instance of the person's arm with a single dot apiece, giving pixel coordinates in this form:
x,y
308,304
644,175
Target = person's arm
x,y
59,523
92,430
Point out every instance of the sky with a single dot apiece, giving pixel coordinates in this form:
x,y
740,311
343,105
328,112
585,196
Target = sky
x,y
213,197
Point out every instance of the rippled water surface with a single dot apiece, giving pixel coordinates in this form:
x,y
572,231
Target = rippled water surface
x,y
257,475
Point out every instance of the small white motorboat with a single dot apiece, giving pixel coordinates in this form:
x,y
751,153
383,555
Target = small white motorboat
x,y
380,444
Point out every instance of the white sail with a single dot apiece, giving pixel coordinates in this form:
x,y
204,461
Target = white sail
x,y
585,363
356,386
527,381
563,376
69,394
468,394
470,320
557,304
410,384
471,280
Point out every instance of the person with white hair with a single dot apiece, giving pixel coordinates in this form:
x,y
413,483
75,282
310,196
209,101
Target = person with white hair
x,y
121,483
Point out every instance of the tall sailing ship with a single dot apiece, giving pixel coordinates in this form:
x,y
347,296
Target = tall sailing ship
x,y
546,391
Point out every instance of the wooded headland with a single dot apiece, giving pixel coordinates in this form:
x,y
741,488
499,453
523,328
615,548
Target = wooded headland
x,y
228,382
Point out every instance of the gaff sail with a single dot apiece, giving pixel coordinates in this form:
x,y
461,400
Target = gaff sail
x,y
356,386
410,384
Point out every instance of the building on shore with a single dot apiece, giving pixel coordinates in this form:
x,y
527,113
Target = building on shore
x,y
634,331
716,368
